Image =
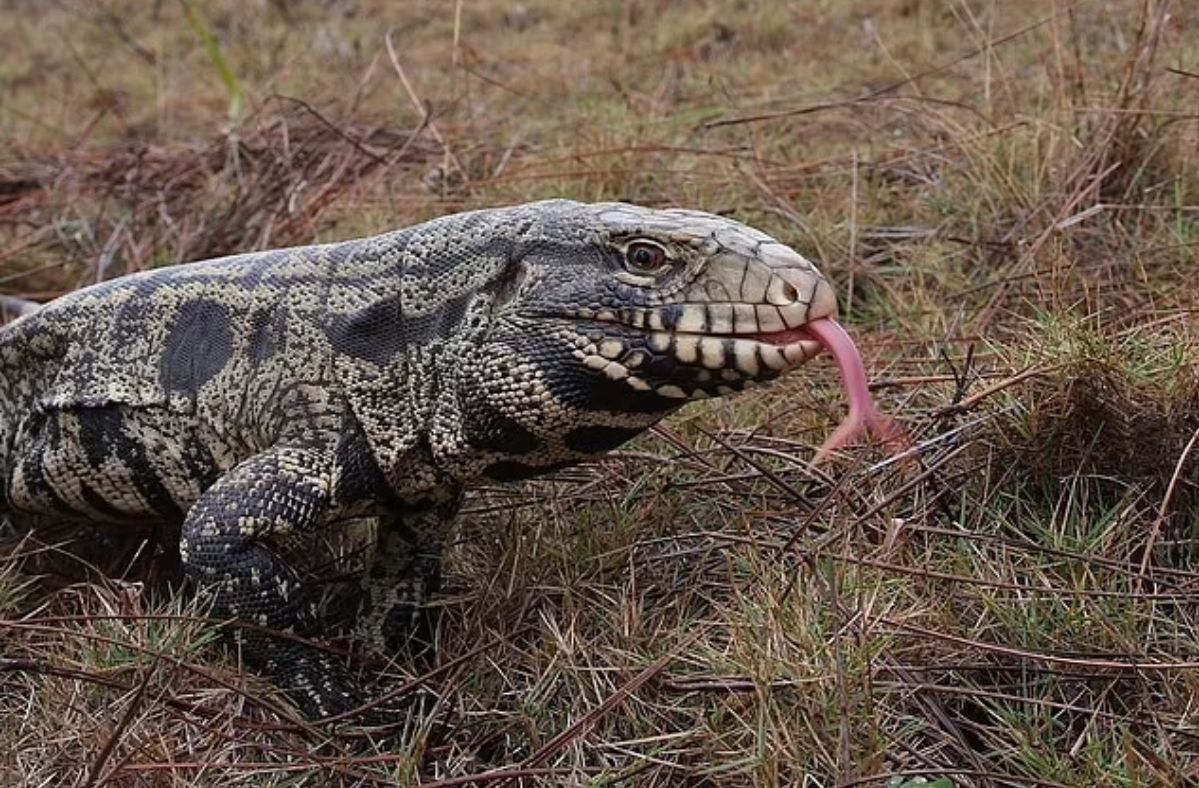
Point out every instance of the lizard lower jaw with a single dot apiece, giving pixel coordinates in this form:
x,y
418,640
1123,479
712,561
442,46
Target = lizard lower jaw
x,y
692,365
787,337
795,345
798,344
746,357
791,347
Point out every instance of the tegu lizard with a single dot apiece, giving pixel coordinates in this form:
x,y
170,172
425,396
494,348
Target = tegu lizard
x,y
266,396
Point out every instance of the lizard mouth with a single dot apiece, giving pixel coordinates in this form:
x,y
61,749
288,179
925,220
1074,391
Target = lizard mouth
x,y
734,358
682,365
749,355
799,344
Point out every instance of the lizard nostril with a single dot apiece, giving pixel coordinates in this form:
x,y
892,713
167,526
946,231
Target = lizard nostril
x,y
781,292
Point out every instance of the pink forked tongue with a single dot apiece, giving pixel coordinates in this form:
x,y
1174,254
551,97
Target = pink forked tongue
x,y
863,414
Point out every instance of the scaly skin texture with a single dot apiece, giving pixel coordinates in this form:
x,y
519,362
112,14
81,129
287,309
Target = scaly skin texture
x,y
255,398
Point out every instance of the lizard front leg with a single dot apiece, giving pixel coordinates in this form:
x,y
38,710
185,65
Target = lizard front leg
x,y
404,573
226,547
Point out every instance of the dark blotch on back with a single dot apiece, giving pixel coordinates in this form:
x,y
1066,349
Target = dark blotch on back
x,y
381,331
198,347
599,439
262,337
438,324
373,334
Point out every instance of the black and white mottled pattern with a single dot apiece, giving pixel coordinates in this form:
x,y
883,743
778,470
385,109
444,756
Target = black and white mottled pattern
x,y
262,396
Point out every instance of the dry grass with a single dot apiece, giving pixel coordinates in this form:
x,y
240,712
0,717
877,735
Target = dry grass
x,y
1007,196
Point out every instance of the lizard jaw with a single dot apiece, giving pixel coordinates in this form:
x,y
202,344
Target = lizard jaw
x,y
797,344
788,337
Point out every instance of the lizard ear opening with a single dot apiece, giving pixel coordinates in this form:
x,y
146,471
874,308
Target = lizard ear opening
x,y
508,284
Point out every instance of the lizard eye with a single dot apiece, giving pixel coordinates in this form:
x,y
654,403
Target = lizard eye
x,y
643,257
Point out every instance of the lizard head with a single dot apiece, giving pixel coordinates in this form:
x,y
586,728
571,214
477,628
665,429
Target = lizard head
x,y
672,305
615,314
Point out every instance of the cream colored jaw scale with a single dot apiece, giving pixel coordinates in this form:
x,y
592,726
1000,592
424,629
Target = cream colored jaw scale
x,y
735,358
714,318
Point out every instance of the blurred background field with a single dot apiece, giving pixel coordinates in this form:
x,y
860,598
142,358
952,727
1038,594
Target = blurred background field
x,y
1006,195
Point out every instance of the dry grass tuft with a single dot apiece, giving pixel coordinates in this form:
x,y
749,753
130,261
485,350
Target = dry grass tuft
x,y
1097,417
268,185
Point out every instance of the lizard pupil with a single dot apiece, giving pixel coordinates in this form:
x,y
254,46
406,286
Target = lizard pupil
x,y
645,257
